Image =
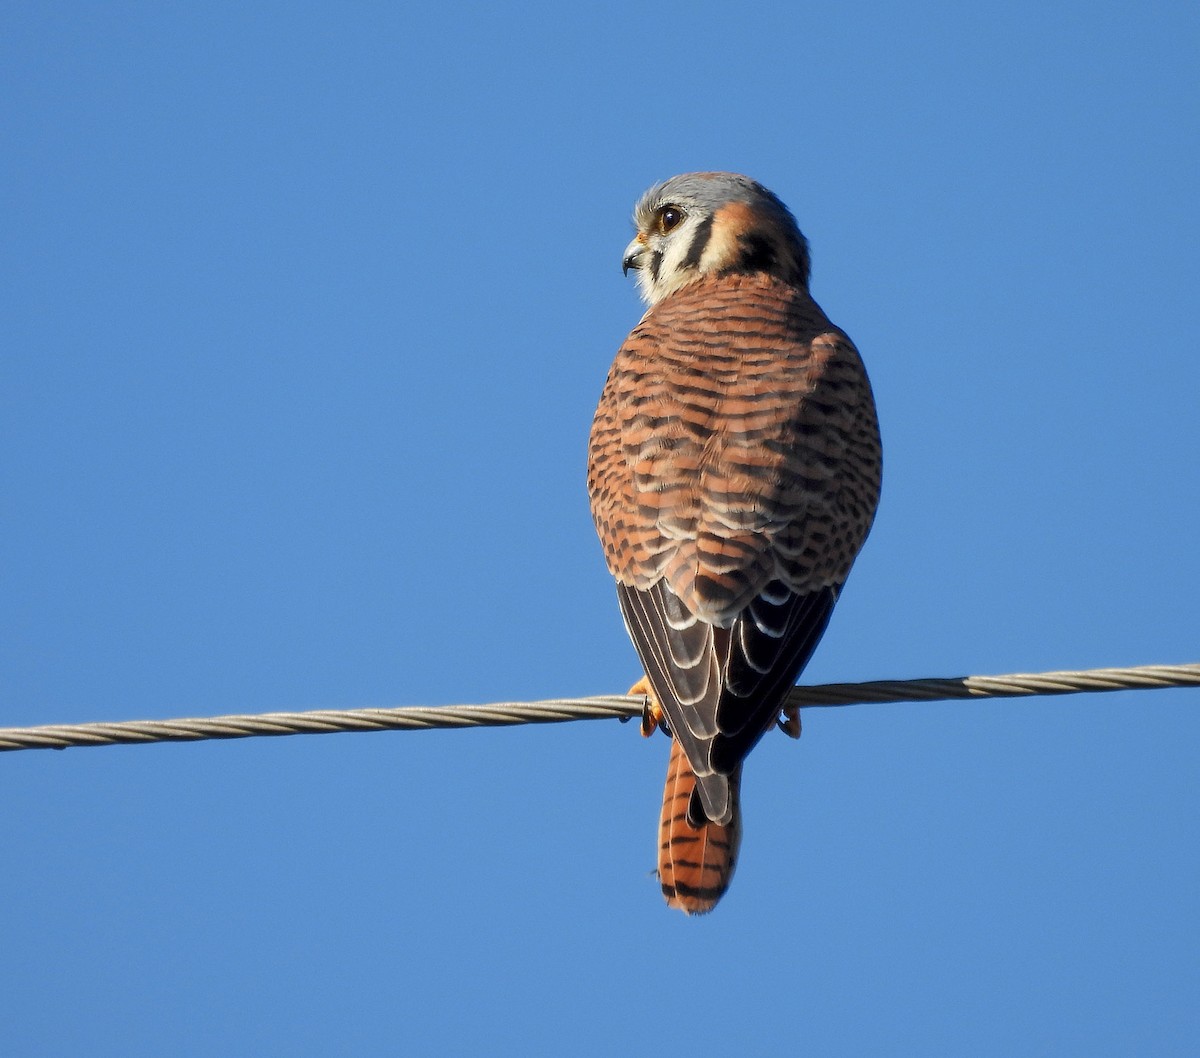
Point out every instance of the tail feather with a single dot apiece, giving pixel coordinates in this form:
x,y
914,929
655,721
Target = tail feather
x,y
695,864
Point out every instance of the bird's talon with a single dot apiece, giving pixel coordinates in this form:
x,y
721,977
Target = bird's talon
x,y
789,721
652,714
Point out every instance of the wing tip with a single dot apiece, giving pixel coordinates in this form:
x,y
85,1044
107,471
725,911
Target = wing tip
x,y
710,801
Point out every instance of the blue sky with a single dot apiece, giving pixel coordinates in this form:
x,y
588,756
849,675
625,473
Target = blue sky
x,y
305,316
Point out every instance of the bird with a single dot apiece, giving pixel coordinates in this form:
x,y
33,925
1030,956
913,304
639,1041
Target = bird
x,y
734,471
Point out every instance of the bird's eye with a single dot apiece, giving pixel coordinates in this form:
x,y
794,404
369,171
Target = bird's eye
x,y
669,218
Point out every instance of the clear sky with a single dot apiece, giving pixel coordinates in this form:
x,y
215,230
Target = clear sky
x,y
305,312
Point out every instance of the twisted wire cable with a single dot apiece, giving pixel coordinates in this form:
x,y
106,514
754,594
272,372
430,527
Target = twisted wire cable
x,y
560,710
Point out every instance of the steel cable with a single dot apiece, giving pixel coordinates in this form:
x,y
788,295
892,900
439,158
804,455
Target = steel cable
x,y
559,710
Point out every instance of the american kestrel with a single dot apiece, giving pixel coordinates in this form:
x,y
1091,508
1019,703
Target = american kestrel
x,y
734,471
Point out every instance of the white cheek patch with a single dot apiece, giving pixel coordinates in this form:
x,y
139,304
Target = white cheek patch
x,y
646,286
672,270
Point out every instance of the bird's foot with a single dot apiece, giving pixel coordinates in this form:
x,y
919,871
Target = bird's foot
x,y
789,721
652,713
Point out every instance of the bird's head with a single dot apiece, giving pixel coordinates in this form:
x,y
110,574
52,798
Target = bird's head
x,y
702,223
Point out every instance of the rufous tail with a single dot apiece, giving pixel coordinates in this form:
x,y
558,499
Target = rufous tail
x,y
695,865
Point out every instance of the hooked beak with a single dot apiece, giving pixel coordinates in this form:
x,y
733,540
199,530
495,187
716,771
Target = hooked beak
x,y
633,255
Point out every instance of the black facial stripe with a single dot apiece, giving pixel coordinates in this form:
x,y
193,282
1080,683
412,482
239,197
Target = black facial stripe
x,y
699,242
655,264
